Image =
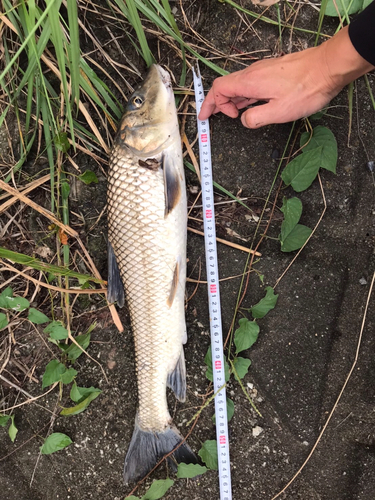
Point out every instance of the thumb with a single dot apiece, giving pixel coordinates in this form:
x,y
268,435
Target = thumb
x,y
260,115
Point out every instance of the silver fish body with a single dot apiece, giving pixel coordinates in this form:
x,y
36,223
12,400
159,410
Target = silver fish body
x,y
147,221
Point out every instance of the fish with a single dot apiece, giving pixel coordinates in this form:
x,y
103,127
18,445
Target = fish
x,y
147,226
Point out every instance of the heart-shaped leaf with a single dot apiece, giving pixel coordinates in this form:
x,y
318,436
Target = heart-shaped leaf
x,y
323,137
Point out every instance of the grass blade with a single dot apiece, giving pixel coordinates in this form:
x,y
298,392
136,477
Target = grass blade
x,y
24,44
74,50
49,147
25,260
137,25
59,42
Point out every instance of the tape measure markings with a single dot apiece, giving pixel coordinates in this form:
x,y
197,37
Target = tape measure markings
x,y
218,365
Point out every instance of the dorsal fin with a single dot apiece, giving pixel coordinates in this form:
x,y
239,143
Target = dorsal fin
x,y
172,184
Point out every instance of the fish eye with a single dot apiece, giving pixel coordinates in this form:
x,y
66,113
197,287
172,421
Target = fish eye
x,y
137,101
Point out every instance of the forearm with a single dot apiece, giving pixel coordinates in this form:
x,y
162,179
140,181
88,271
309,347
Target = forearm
x,y
362,33
343,64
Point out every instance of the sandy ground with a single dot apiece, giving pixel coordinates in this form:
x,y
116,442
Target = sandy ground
x,y
305,350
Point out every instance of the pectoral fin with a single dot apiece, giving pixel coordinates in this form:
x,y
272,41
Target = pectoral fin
x,y
172,184
115,291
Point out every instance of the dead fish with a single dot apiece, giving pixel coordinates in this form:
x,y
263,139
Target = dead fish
x,y
147,222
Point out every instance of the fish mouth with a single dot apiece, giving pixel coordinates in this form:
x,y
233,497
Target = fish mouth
x,y
164,76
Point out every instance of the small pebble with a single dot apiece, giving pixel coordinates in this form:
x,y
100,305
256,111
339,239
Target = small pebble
x,y
257,430
275,154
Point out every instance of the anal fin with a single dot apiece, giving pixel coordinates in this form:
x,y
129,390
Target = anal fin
x,y
177,378
115,292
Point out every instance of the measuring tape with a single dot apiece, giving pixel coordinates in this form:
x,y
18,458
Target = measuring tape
x,y
213,296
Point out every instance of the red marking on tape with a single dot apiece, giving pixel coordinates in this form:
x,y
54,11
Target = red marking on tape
x,y
213,288
218,365
222,440
204,137
208,214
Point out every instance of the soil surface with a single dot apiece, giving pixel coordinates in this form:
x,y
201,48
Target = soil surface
x,y
306,346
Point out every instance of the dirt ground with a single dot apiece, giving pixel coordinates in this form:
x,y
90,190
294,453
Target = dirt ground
x,y
306,346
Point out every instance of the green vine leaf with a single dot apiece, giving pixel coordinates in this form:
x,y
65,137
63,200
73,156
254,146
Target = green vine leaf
x,y
301,172
88,177
293,236
230,410
323,137
62,142
37,317
53,372
3,321
73,351
8,292
265,305
158,489
78,394
246,335
83,403
17,304
65,190
296,238
55,442
208,361
4,420
334,9
189,471
56,331
241,366
292,210
12,429
319,114
208,454
68,376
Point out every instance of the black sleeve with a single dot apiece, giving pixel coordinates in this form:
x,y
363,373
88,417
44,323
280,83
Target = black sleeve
x,y
362,33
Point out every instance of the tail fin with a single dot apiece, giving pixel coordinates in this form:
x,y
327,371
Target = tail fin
x,y
147,448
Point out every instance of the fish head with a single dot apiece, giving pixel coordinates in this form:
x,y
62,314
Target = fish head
x,y
150,121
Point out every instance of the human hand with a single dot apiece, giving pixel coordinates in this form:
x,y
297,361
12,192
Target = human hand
x,y
293,86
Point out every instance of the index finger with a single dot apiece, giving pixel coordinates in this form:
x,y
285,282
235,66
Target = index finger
x,y
217,101
208,106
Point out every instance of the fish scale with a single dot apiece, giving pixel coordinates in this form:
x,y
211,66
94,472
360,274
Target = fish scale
x,y
147,223
139,235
